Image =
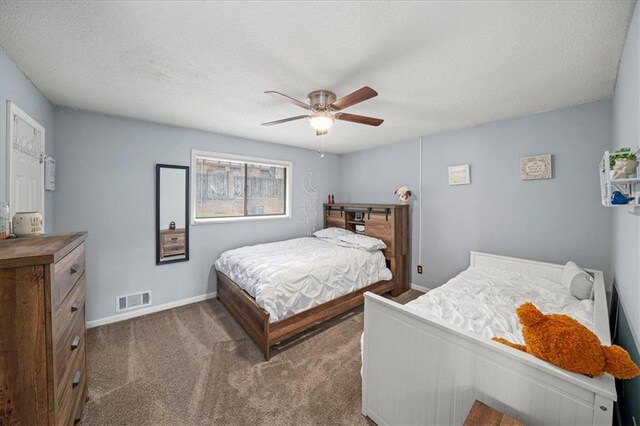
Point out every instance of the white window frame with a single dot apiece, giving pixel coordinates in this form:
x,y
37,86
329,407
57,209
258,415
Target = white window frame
x,y
288,165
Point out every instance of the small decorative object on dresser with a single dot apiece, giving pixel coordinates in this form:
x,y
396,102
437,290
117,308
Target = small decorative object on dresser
x,y
403,194
43,367
26,224
535,167
5,220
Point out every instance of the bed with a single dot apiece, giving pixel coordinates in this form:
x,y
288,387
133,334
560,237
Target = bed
x,y
424,363
278,290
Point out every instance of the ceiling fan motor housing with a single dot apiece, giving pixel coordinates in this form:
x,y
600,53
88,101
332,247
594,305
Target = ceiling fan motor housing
x,y
320,99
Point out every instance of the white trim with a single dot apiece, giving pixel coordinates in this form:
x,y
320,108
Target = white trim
x,y
419,288
420,205
150,310
243,159
13,110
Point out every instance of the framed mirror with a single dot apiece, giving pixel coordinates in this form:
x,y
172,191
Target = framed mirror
x,y
172,214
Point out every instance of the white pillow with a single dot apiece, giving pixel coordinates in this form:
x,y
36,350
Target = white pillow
x,y
331,233
577,281
362,242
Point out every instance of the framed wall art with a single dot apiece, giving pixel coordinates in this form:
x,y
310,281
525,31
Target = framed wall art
x,y
459,175
536,167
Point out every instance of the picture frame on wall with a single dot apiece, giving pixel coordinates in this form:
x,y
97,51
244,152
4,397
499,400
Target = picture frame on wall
x,y
535,167
459,175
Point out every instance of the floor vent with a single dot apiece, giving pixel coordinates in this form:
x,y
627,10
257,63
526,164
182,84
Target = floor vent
x,y
133,300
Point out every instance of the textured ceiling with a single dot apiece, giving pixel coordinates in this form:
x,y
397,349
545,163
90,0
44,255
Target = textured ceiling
x,y
435,65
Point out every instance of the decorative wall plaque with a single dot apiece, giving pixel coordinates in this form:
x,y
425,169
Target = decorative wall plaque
x,y
536,167
459,175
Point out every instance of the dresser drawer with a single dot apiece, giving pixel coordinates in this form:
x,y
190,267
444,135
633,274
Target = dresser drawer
x,y
173,239
65,274
71,389
64,319
173,249
67,350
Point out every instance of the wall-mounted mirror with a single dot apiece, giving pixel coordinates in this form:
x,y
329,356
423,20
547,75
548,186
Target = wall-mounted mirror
x,y
172,213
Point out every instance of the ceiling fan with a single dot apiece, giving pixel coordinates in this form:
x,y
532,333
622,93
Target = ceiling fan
x,y
325,109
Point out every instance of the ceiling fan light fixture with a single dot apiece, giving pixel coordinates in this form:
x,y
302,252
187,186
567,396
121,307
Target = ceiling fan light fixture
x,y
321,121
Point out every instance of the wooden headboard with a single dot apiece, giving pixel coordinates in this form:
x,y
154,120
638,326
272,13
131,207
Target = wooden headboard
x,y
388,222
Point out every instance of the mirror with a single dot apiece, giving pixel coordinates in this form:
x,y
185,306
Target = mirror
x,y
172,214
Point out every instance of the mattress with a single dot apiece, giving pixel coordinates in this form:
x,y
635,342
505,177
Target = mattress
x,y
288,277
484,301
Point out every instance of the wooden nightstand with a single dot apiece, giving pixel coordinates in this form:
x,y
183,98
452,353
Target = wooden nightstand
x,y
482,414
172,243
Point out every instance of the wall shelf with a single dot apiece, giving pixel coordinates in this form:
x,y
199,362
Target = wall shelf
x,y
609,185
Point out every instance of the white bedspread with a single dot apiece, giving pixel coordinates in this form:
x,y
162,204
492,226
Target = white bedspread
x,y
484,301
291,276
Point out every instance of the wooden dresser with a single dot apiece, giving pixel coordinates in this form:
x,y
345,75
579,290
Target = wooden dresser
x,y
43,367
172,242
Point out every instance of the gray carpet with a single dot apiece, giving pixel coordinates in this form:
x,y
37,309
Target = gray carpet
x,y
196,365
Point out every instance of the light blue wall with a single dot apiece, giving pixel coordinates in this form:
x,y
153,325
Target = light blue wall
x,y
17,88
372,176
626,132
551,220
105,185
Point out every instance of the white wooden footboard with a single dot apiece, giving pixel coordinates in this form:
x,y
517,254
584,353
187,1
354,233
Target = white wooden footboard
x,y
418,371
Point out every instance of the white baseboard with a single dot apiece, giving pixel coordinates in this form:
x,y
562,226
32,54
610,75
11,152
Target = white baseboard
x,y
149,310
419,288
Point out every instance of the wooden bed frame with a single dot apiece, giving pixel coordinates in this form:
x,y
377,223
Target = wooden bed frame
x,y
418,370
389,222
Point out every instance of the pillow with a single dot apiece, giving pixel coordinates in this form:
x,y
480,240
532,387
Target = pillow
x,y
577,281
362,242
331,233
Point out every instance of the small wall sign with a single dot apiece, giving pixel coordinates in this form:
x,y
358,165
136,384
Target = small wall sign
x,y
459,175
536,167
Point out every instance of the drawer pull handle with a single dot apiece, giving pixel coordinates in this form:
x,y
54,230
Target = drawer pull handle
x,y
78,416
75,268
76,378
174,239
75,306
75,343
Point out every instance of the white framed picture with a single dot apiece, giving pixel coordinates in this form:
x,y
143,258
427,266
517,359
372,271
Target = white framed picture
x,y
536,167
459,175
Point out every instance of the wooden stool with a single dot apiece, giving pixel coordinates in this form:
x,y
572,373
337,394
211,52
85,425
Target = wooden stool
x,y
482,414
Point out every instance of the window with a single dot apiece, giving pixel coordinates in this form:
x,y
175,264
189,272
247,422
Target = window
x,y
229,188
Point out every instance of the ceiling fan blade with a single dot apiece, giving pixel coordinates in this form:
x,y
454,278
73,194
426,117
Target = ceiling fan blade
x,y
354,98
360,119
321,132
289,98
284,120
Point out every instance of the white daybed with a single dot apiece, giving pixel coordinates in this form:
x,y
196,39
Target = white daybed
x,y
422,371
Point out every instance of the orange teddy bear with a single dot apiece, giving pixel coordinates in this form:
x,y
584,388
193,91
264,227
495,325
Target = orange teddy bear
x,y
563,341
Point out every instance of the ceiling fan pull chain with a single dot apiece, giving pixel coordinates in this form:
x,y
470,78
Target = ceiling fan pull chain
x,y
321,146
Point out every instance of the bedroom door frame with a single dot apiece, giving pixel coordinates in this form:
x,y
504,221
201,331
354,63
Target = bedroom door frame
x,y
14,111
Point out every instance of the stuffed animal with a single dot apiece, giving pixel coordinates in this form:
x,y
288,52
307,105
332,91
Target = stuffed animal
x,y
563,341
